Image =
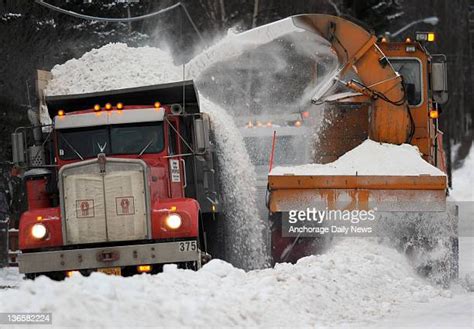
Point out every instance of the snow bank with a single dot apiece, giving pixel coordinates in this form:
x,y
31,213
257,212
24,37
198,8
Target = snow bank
x,y
9,277
463,180
463,194
356,282
370,158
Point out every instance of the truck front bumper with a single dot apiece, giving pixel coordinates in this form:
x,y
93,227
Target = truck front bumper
x,y
102,257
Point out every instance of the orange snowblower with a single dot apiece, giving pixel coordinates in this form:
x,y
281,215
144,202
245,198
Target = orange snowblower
x,y
388,92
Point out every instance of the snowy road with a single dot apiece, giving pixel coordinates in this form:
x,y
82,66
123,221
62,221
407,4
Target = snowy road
x,y
358,283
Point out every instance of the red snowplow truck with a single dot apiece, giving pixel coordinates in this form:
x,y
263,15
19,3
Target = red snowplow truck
x,y
121,182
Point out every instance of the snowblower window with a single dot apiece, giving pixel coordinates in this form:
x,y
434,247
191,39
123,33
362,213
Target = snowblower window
x,y
410,70
120,139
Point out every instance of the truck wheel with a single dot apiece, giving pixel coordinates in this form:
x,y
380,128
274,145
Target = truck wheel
x,y
55,276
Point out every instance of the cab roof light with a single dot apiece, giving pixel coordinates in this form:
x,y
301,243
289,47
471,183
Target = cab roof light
x,y
119,106
157,105
408,40
96,107
425,36
108,106
61,113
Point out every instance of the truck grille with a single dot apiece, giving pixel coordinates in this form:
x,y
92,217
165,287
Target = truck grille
x,y
104,201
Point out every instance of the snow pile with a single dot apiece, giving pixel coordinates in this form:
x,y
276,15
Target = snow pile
x,y
463,194
463,180
113,66
356,282
370,158
9,277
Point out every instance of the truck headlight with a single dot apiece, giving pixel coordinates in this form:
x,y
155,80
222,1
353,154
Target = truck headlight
x,y
39,231
173,221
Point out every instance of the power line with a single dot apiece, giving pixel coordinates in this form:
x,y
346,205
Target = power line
x,y
124,19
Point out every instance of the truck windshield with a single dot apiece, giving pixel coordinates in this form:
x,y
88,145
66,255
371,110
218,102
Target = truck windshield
x,y
410,70
119,139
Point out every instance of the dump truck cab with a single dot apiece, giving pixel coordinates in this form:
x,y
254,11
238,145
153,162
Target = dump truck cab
x,y
123,186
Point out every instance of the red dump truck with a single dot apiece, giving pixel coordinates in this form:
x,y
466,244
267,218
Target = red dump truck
x,y
122,182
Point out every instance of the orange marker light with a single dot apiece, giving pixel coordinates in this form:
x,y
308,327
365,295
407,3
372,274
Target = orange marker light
x,y
69,274
144,268
119,106
407,40
60,113
434,114
108,106
157,105
298,123
39,218
173,208
96,107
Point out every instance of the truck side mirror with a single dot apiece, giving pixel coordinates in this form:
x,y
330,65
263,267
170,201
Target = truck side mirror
x,y
201,134
18,148
439,79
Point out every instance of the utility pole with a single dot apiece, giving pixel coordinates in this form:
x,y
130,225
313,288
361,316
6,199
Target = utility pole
x,y
255,13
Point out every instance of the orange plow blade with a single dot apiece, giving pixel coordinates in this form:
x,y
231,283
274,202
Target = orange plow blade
x,y
410,212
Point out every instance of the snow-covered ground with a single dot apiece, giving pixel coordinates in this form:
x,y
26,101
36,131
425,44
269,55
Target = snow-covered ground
x,y
357,282
457,310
